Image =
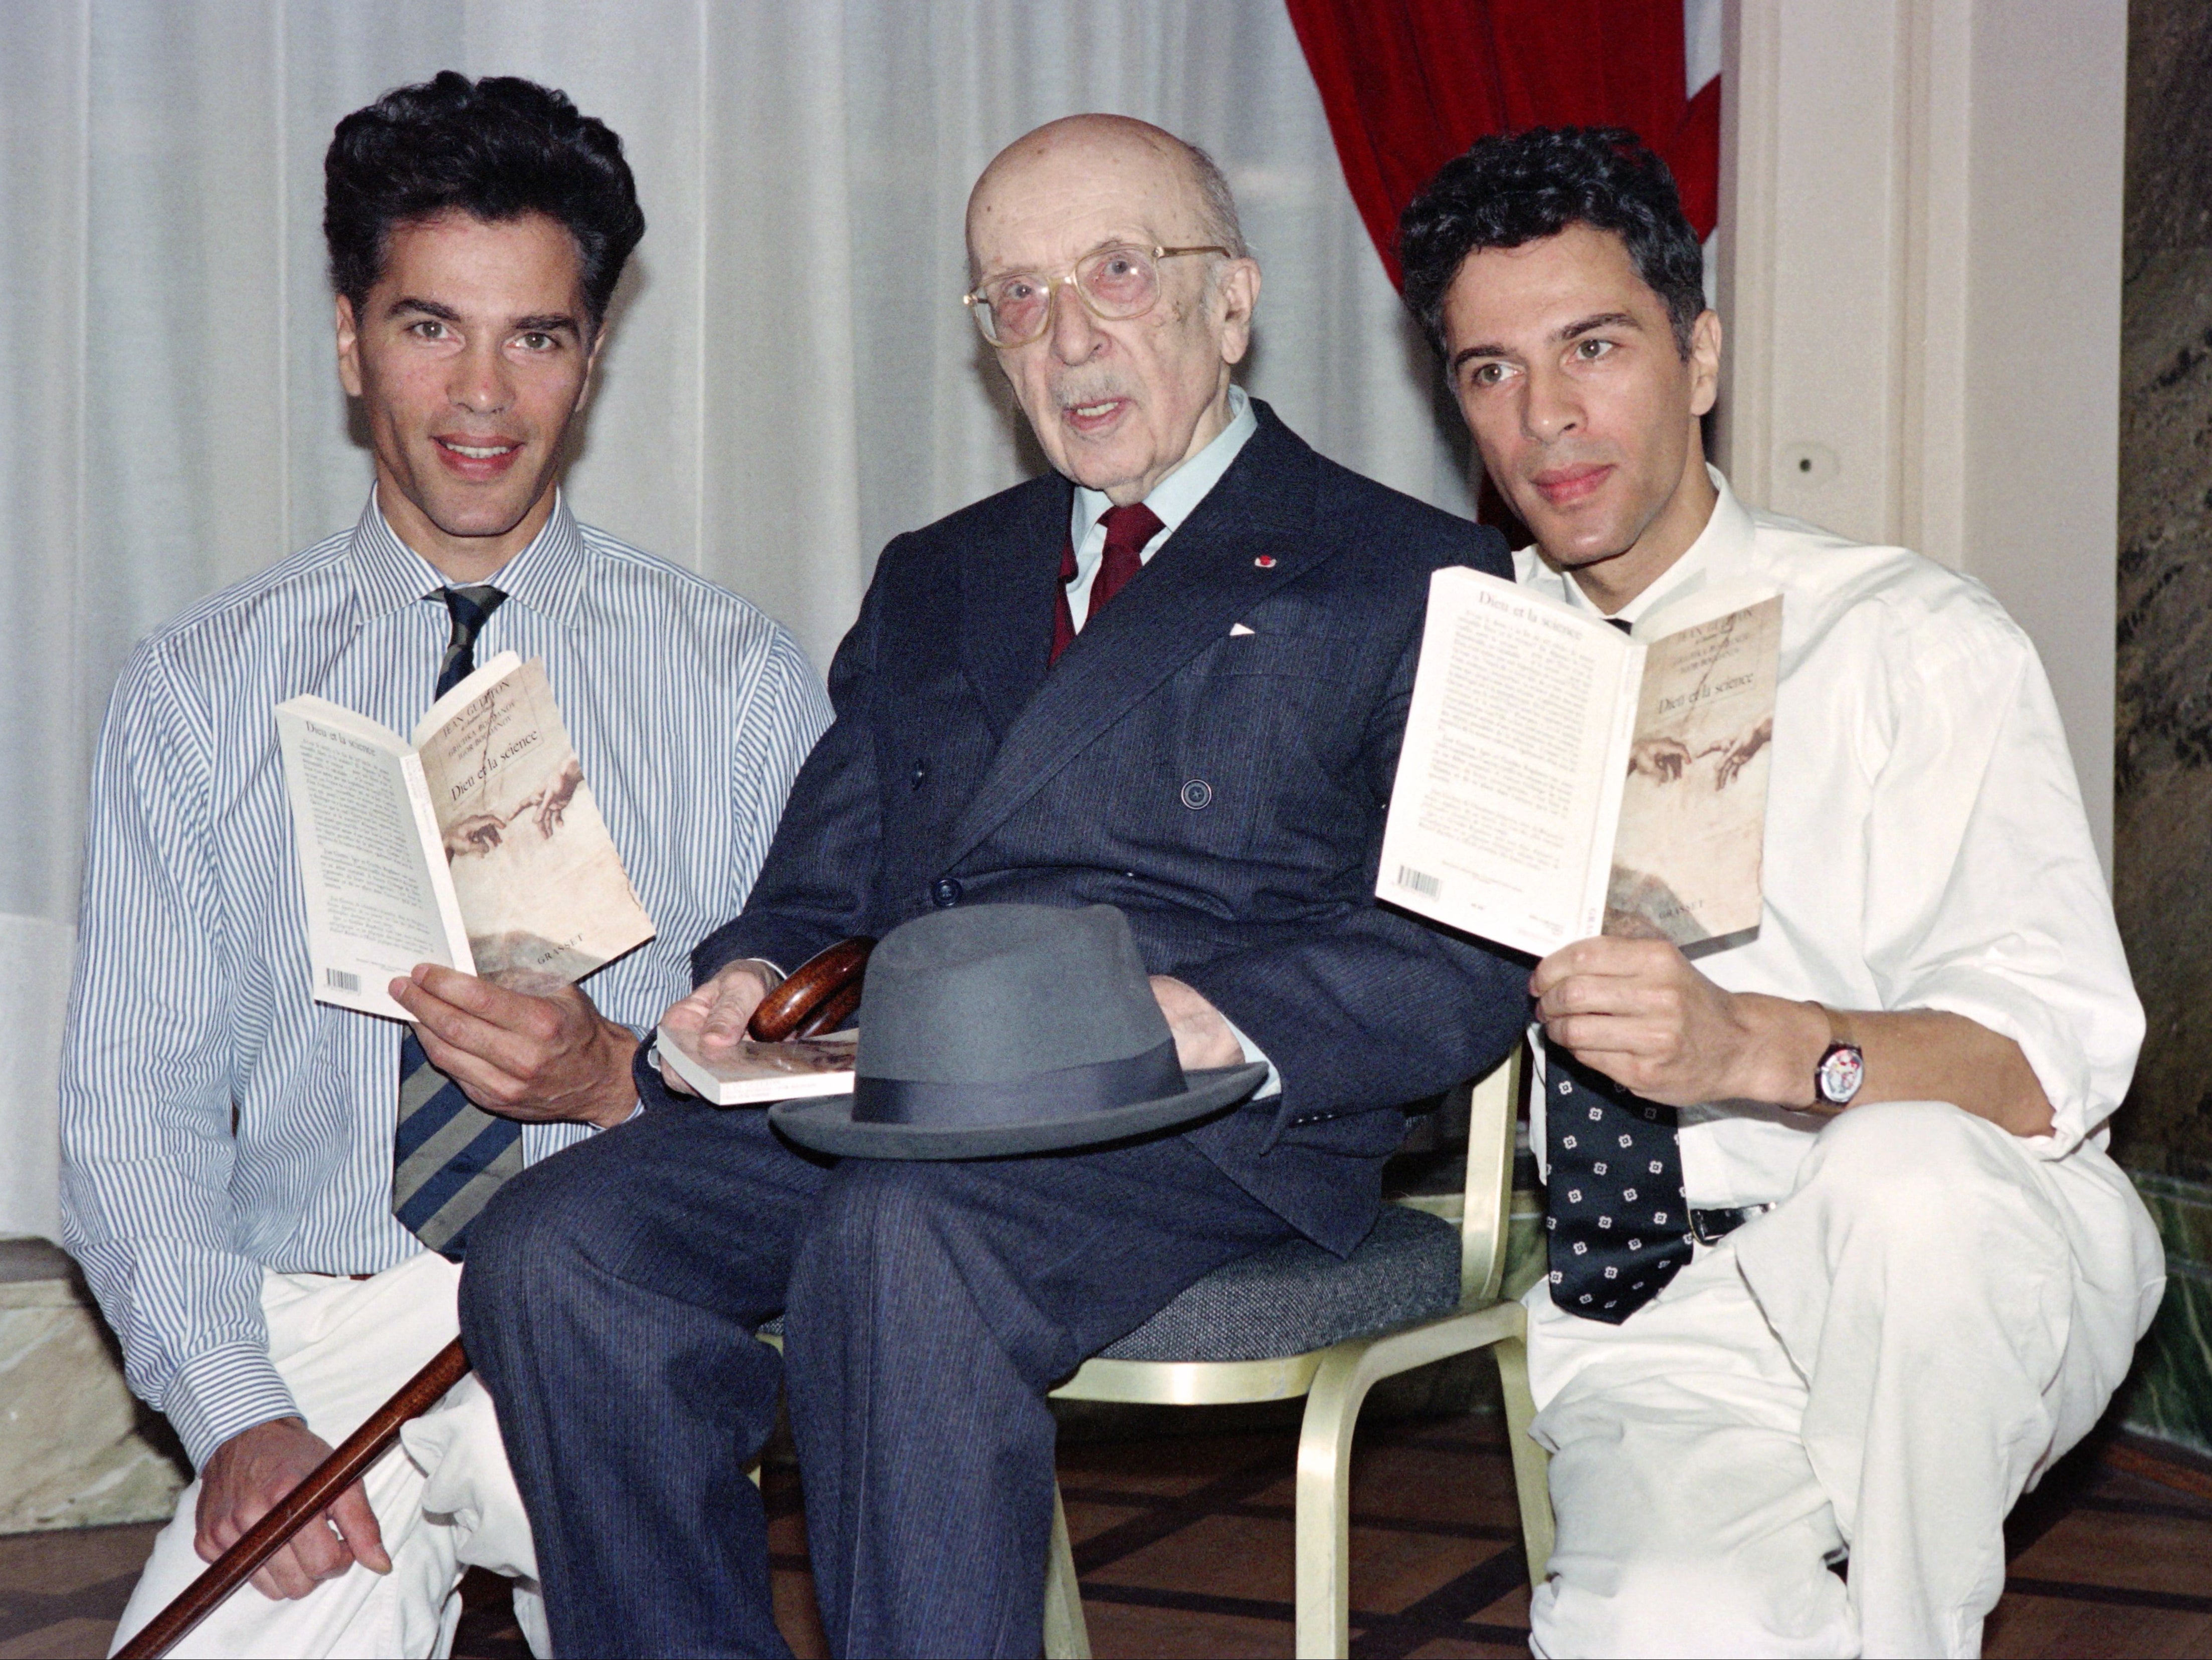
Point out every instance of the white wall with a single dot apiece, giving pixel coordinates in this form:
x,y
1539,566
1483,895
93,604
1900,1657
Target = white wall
x,y
1920,271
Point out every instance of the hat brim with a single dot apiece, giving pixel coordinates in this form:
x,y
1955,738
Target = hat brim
x,y
826,1124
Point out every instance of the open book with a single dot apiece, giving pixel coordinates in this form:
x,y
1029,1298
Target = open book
x,y
1561,779
755,1073
476,846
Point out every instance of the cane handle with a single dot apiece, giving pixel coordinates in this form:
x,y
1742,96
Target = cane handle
x,y
817,995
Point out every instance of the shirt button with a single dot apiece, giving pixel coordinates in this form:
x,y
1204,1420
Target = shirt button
x,y
1197,794
944,893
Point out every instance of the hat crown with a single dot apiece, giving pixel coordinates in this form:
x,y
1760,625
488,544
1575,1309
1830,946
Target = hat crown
x,y
995,994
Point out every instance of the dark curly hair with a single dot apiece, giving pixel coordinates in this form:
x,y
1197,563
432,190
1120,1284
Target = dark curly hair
x,y
1512,188
496,148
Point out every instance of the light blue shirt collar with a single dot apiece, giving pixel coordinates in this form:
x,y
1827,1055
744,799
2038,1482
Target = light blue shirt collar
x,y
390,575
1173,498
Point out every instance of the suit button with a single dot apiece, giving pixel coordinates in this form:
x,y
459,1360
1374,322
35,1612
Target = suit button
x,y
944,893
1197,794
920,772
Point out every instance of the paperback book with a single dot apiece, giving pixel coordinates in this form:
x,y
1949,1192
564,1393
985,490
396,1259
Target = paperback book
x,y
754,1073
1561,778
475,843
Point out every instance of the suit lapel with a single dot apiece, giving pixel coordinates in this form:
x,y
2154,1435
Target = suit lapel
x,y
1204,579
1005,602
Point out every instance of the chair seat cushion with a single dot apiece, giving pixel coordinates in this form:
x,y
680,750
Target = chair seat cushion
x,y
1296,1297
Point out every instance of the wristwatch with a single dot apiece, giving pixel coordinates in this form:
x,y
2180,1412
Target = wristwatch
x,y
1841,1069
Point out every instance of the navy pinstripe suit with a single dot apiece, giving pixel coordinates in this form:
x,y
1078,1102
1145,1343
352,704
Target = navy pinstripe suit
x,y
1226,791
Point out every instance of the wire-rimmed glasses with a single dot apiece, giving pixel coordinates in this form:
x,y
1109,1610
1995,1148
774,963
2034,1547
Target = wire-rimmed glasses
x,y
1115,283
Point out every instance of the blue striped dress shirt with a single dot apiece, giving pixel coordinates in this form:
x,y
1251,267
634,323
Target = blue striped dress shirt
x,y
692,713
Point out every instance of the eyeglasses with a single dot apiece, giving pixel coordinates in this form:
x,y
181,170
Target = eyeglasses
x,y
1114,284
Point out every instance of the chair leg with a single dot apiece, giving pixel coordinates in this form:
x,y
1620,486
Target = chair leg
x,y
1324,1504
1066,1635
1531,1463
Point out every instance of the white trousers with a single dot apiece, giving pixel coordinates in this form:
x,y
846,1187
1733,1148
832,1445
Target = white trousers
x,y
1879,1366
445,1501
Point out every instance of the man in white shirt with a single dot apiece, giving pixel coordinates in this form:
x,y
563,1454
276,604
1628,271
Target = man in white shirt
x,y
1914,1278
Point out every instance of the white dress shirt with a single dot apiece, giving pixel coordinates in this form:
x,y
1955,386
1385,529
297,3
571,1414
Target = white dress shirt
x,y
1926,847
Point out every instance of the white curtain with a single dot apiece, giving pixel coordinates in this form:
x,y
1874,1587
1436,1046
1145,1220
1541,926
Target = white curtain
x,y
792,380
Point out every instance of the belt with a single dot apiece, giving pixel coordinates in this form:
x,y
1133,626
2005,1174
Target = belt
x,y
1711,1226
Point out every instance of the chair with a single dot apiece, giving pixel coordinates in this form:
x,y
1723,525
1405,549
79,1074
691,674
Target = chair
x,y
1294,1320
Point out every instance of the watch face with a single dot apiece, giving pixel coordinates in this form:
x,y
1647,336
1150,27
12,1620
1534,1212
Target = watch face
x,y
1843,1069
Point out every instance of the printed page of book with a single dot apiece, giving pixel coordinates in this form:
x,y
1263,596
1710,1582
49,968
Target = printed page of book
x,y
1501,819
379,900
542,889
1686,859
757,1074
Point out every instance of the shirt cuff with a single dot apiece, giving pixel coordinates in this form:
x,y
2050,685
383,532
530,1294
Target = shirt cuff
x,y
1272,1083
223,1393
2051,1045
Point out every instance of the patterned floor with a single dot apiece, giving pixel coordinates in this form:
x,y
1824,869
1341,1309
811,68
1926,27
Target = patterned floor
x,y
1183,1543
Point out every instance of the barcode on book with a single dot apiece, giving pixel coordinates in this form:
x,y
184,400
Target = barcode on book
x,y
1418,882
339,980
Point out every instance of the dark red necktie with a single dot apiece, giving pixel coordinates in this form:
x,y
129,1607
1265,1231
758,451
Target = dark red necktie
x,y
1128,530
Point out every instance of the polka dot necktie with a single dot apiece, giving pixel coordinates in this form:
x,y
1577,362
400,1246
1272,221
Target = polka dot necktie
x,y
449,1155
1128,530
1617,1223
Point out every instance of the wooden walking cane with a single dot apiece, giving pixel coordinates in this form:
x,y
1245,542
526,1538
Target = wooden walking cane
x,y
297,1508
818,997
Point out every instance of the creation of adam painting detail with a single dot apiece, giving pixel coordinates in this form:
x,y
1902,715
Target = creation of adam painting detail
x,y
533,867
1686,859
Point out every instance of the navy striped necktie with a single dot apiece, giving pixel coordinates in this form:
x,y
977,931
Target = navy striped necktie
x,y
449,1155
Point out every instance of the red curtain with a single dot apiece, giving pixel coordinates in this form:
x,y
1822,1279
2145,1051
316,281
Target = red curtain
x,y
1408,84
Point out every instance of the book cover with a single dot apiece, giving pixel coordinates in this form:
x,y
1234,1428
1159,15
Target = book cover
x,y
541,888
1687,854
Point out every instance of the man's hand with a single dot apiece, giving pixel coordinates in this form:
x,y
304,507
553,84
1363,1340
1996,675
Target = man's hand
x,y
1636,1011
714,1016
1663,759
243,1482
532,1058
1202,1037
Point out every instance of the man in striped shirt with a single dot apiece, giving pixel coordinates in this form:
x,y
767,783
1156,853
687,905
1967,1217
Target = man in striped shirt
x,y
231,1185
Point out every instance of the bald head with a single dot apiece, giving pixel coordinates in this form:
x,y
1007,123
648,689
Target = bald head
x,y
1087,148
1117,401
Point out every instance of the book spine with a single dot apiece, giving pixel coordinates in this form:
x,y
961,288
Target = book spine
x,y
1598,880
433,854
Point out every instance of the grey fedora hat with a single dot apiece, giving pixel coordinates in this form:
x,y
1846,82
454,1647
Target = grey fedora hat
x,y
994,1030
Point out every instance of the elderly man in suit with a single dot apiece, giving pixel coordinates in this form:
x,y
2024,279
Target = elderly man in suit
x,y
1171,676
